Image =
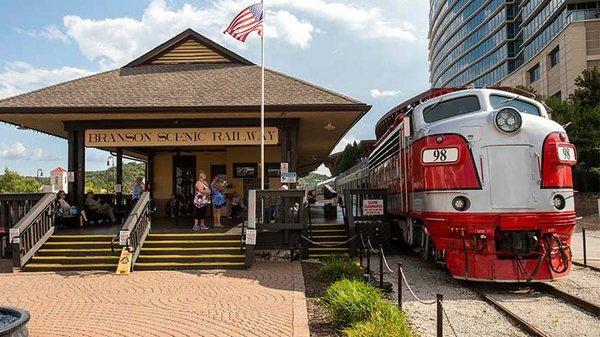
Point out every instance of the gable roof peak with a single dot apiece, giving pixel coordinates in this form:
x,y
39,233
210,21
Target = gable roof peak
x,y
188,47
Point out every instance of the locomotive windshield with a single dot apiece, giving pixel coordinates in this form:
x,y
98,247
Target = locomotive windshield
x,y
499,102
451,108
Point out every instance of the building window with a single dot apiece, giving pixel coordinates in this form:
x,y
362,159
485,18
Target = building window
x,y
534,73
554,57
558,96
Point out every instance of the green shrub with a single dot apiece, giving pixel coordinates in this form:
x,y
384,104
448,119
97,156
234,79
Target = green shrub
x,y
351,301
337,267
386,321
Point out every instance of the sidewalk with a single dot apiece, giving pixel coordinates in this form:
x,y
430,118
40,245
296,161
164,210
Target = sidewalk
x,y
593,247
266,300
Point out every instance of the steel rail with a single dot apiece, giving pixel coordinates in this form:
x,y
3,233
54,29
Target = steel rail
x,y
571,299
520,322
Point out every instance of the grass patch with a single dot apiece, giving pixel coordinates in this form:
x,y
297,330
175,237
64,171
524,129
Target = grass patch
x,y
337,267
386,321
351,301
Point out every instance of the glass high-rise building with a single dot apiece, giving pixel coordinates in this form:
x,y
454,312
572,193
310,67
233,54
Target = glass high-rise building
x,y
480,42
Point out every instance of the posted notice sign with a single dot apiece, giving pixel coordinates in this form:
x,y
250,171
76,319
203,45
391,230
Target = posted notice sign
x,y
372,207
289,178
251,236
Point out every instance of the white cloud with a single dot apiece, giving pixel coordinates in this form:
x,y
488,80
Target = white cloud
x,y
377,93
343,143
19,77
116,41
322,169
14,151
365,21
294,31
49,32
18,150
113,42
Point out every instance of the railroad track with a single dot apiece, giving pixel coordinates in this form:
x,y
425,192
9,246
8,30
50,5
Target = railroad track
x,y
528,326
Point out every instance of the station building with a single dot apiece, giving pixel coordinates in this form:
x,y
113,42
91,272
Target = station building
x,y
188,105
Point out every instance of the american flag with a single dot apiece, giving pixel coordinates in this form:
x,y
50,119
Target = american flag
x,y
249,20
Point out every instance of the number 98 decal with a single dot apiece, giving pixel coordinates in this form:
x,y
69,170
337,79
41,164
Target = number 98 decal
x,y
442,156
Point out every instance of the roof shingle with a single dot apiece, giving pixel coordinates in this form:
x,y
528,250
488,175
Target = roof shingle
x,y
177,85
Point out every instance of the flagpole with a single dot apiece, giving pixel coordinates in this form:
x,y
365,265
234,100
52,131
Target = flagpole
x,y
262,102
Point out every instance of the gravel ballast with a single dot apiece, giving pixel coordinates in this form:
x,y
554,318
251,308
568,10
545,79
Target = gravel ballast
x,y
469,316
583,283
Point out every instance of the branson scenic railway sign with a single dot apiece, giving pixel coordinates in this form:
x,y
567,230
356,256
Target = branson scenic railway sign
x,y
179,137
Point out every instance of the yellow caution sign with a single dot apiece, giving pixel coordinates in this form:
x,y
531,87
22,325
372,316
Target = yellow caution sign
x,y
124,267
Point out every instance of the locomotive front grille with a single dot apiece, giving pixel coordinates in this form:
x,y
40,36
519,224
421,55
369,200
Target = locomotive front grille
x,y
517,244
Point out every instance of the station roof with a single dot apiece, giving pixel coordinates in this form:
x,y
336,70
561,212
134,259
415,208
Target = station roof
x,y
188,76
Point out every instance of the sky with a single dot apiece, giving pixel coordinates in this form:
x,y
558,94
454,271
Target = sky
x,y
374,51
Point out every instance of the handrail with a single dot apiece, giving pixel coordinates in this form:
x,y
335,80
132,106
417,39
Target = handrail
x,y
21,196
33,230
137,226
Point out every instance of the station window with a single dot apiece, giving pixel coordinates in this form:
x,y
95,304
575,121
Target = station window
x,y
534,73
554,57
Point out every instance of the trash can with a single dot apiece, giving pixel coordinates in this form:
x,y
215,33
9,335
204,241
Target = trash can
x,y
13,322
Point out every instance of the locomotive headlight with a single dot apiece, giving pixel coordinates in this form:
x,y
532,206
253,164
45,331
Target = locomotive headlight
x,y
559,202
508,120
461,203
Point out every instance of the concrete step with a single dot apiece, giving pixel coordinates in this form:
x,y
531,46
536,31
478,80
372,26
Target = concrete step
x,y
191,250
80,238
76,244
321,256
190,258
191,243
65,267
69,260
327,237
327,249
189,265
334,231
192,236
74,252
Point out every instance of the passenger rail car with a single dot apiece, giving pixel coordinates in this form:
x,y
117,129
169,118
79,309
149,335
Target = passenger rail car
x,y
355,177
486,177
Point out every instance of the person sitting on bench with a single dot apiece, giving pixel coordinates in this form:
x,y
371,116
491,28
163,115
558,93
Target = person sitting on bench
x,y
67,211
98,207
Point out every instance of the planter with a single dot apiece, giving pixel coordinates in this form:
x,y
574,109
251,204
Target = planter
x,y
13,322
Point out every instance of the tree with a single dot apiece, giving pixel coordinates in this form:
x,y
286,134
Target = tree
x,y
13,182
104,181
311,180
351,156
587,92
581,112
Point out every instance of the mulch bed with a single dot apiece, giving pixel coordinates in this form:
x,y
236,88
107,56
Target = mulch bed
x,y
319,320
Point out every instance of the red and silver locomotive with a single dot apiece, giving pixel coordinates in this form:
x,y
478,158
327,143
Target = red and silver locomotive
x,y
485,176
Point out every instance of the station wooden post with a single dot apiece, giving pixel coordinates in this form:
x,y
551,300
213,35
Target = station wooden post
x,y
119,180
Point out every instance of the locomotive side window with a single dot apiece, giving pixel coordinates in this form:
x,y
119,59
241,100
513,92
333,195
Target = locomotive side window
x,y
499,102
451,108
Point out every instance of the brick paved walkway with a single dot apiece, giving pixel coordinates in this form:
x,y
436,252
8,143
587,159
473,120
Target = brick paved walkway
x,y
267,300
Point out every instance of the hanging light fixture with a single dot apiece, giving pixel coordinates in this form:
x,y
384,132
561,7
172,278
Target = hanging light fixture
x,y
329,126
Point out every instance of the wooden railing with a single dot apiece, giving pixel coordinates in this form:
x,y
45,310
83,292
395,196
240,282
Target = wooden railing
x,y
277,218
376,227
137,226
13,207
33,230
